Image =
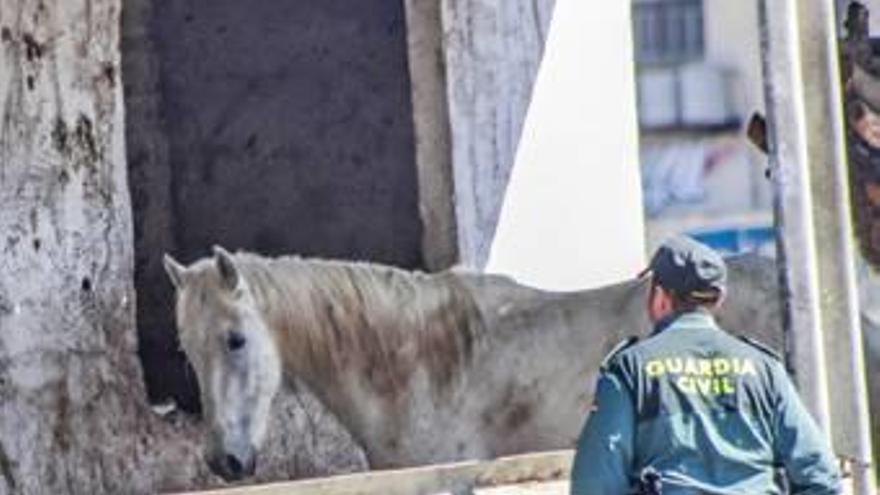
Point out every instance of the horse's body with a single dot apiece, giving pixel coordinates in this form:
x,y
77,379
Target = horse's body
x,y
429,368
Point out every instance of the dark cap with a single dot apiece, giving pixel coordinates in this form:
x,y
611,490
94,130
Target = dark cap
x,y
688,268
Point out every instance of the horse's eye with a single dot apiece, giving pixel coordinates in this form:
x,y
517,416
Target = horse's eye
x,y
235,341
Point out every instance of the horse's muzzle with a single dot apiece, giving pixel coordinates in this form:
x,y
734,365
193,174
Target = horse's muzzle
x,y
234,466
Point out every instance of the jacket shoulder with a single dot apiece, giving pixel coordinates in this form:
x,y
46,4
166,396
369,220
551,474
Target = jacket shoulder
x,y
764,348
617,349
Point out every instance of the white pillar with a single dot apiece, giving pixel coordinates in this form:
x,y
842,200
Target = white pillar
x,y
834,238
789,161
812,204
572,214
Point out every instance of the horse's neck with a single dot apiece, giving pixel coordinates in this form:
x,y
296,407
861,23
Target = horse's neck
x,y
379,398
330,318
282,296
277,297
401,341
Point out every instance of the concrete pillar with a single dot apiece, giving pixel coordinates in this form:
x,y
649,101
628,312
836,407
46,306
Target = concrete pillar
x,y
838,294
492,50
572,213
802,88
432,141
792,203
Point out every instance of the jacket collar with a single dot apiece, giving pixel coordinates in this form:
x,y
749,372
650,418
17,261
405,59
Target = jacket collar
x,y
699,317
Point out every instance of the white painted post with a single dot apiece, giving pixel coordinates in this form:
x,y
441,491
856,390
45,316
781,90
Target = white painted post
x,y
807,152
838,299
572,213
789,162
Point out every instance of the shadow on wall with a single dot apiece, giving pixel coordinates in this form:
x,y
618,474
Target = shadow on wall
x,y
278,127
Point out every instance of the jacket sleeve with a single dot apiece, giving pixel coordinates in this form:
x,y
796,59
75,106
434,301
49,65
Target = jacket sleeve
x,y
604,454
800,446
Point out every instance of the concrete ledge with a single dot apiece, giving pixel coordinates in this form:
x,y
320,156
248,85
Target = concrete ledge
x,y
496,477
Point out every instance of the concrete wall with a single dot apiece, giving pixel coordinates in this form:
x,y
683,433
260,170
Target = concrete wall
x,y
280,127
493,50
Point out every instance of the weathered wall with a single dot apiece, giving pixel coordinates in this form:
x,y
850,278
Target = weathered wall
x,y
72,415
280,127
493,51
65,288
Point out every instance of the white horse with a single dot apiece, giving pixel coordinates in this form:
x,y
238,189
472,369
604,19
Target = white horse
x,y
421,368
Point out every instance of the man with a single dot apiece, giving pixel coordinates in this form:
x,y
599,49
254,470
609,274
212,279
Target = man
x,y
702,411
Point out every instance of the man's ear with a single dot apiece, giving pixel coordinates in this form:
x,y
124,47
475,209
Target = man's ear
x,y
175,270
226,266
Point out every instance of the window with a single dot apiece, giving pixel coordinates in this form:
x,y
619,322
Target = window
x,y
668,32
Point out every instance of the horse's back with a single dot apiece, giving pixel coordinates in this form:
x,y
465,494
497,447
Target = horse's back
x,y
752,305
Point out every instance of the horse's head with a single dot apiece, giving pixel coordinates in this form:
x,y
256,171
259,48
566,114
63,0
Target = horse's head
x,y
234,356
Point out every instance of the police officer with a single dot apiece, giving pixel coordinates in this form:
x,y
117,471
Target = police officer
x,y
702,411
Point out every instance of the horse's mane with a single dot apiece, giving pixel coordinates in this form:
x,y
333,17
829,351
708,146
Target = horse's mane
x,y
380,322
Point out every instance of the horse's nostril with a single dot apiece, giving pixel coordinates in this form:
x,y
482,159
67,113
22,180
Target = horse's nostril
x,y
251,466
235,467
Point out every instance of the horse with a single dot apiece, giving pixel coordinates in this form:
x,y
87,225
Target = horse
x,y
420,368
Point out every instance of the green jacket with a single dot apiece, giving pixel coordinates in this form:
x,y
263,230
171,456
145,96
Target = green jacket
x,y
711,413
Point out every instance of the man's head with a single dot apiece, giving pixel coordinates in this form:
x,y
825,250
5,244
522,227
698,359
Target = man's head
x,y
685,275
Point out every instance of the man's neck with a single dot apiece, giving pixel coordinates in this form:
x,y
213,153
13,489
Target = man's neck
x,y
664,322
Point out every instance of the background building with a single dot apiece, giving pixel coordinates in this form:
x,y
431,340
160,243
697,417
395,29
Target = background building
x,y
699,81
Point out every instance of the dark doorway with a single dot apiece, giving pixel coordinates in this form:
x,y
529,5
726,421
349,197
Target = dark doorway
x,y
275,127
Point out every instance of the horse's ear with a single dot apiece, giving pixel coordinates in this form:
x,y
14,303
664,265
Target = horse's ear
x,y
226,266
174,269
